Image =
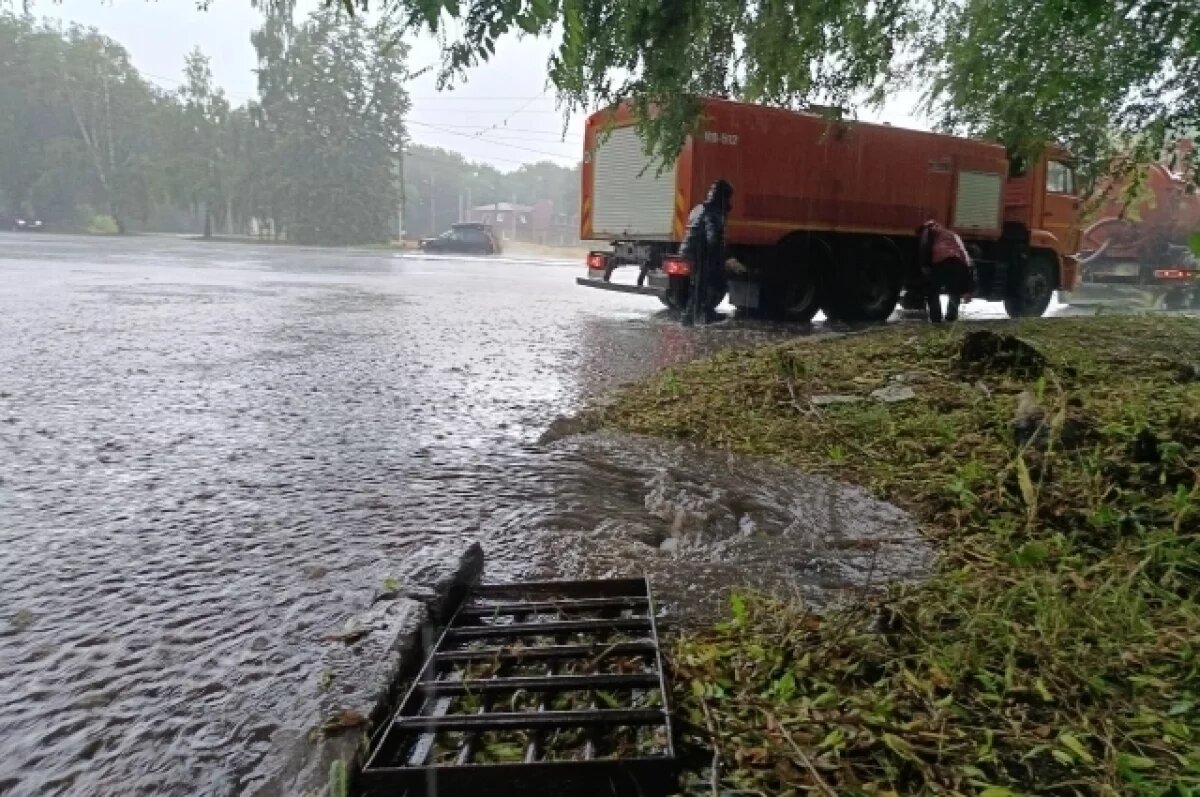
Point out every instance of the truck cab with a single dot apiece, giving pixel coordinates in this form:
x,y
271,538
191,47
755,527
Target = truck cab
x,y
1043,196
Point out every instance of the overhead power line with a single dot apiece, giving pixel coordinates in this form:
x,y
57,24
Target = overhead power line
x,y
526,135
542,131
435,162
478,97
476,137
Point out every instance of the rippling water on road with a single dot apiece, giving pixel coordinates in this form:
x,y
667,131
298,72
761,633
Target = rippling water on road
x,y
211,455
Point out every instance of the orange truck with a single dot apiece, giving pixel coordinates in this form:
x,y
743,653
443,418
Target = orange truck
x,y
825,213
1136,248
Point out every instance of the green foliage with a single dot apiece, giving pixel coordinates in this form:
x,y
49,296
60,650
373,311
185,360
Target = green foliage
x,y
332,112
438,183
315,159
102,225
1092,75
339,779
78,125
203,175
1054,648
661,56
1098,77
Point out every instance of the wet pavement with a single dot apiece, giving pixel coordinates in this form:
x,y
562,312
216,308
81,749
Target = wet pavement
x,y
212,454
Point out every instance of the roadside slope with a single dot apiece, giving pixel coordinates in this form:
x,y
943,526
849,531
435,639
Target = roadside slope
x,y
1055,651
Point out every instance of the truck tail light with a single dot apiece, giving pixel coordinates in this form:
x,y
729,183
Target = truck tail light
x,y
597,261
676,266
1173,274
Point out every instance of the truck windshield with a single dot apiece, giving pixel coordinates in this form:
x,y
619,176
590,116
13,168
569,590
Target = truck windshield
x,y
1060,178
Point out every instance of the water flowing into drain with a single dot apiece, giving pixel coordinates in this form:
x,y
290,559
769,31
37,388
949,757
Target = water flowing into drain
x,y
702,522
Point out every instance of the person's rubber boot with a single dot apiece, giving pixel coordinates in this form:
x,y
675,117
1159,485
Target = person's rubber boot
x,y
952,310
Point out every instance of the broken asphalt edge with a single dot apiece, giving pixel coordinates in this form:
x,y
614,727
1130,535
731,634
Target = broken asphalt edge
x,y
363,677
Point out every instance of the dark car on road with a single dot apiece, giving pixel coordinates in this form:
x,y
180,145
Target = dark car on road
x,y
464,238
27,224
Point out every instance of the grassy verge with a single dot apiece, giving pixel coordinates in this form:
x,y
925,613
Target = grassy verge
x,y
1057,648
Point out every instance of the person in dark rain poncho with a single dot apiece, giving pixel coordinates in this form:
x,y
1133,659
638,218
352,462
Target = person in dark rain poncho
x,y
704,247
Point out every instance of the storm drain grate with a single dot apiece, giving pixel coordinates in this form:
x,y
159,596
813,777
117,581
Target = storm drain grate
x,y
536,689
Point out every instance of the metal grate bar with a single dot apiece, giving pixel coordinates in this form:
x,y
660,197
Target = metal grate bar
x,y
541,683
596,652
566,645
564,589
533,750
546,629
566,604
500,721
424,744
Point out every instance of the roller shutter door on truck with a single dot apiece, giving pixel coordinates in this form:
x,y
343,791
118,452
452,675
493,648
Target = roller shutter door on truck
x,y
629,198
977,206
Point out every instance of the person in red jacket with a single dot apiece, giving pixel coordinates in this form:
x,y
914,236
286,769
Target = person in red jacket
x,y
945,265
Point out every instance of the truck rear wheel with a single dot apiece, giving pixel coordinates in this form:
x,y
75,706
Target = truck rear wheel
x,y
1178,299
866,287
791,289
797,299
1034,289
679,293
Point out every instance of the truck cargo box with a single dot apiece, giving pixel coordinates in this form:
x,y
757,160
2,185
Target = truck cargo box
x,y
824,209
791,171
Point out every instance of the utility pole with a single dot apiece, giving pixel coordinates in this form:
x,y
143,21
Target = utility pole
x,y
432,205
400,209
514,215
460,207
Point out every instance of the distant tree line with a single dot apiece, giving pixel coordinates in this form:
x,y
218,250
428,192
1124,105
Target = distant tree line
x,y
441,185
87,142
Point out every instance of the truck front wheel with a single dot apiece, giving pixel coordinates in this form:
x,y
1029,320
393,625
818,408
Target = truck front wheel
x,y
1035,287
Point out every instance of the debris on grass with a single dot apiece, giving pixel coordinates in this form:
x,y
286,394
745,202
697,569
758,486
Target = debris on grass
x,y
1057,648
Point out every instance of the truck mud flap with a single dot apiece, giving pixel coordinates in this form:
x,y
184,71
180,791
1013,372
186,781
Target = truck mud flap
x,y
743,293
599,284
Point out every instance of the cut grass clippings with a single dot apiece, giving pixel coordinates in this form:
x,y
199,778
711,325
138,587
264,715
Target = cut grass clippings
x,y
1054,650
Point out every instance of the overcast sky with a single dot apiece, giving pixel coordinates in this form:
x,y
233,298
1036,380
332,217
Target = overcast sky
x,y
503,115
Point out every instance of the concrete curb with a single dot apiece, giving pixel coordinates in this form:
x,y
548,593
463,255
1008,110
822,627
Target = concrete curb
x,y
362,671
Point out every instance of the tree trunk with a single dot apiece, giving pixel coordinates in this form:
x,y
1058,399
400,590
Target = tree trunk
x,y
207,221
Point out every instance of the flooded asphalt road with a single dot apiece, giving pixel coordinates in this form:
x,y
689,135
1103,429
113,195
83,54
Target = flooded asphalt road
x,y
211,455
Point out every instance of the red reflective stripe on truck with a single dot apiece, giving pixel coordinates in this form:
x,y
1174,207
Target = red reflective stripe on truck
x,y
586,218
